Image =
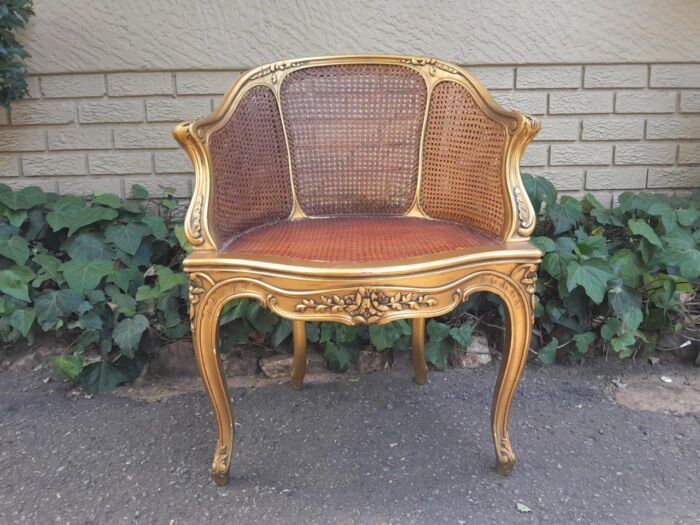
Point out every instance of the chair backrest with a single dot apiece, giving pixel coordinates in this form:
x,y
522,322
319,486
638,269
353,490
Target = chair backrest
x,y
360,135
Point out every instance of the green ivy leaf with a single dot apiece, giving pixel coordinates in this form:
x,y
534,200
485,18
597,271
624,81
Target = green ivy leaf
x,y
110,200
565,214
593,275
281,332
688,216
69,215
102,377
167,279
15,248
462,334
127,237
24,199
584,341
69,366
50,269
545,244
338,357
157,226
139,192
55,304
641,227
13,282
82,276
548,353
540,191
22,320
624,299
383,336
87,247
438,346
127,334
621,344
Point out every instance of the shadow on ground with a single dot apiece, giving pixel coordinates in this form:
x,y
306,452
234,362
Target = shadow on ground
x,y
377,450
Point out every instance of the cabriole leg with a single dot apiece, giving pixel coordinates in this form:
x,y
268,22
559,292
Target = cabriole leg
x,y
299,362
205,327
519,322
420,367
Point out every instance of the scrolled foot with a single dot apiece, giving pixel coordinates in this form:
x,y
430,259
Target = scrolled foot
x,y
220,478
421,377
504,456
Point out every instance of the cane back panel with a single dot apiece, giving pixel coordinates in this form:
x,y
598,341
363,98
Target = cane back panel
x,y
354,137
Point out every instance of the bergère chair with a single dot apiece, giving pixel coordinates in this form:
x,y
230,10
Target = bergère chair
x,y
358,189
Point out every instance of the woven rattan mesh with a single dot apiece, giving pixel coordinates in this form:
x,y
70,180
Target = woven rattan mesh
x,y
358,239
354,137
462,161
251,170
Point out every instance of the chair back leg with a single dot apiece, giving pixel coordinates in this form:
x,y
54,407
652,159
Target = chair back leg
x,y
299,361
420,367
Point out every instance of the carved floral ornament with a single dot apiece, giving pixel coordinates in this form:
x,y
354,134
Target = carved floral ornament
x,y
367,305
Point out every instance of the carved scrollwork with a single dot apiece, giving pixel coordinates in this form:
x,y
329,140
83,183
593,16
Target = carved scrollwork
x,y
196,219
524,217
271,69
432,64
526,275
367,305
196,289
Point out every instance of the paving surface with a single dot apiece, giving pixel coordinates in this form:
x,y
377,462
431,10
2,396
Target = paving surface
x,y
378,450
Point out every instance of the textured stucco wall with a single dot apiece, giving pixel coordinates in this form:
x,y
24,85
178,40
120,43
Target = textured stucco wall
x,y
616,84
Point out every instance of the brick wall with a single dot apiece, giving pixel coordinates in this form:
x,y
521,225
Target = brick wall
x,y
606,128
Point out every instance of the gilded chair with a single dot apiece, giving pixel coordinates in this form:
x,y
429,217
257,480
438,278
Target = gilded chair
x,y
358,189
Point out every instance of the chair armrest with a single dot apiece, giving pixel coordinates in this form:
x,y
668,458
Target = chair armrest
x,y
198,229
522,214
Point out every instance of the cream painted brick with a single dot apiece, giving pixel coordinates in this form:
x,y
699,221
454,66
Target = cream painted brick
x,y
673,128
548,77
9,165
4,116
621,178
581,102
85,137
119,163
689,153
564,179
611,76
89,185
204,82
155,136
177,109
494,77
690,102
181,183
13,139
554,128
54,164
42,112
111,111
48,184
73,86
674,177
535,103
675,76
645,153
580,154
33,87
645,102
610,128
137,84
172,162
535,155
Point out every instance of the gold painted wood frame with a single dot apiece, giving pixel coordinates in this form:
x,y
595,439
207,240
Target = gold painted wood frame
x,y
361,293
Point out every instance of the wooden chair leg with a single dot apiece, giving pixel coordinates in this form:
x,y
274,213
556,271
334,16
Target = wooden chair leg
x,y
205,339
519,326
420,367
299,362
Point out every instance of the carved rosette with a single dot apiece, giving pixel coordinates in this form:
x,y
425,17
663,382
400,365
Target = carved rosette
x,y
432,64
196,289
367,305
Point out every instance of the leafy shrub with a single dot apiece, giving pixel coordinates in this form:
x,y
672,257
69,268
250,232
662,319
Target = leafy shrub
x,y
104,275
14,14
614,278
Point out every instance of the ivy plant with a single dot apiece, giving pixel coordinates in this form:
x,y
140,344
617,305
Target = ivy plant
x,y
14,15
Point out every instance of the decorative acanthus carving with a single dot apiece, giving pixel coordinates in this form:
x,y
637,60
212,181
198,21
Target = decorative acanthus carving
x,y
524,218
526,275
196,219
367,305
271,69
432,64
196,289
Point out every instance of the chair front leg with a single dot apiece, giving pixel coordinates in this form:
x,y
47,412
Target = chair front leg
x,y
205,328
519,326
299,361
420,367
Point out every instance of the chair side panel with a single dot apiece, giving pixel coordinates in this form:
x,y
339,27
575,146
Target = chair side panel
x,y
354,134
462,178
251,183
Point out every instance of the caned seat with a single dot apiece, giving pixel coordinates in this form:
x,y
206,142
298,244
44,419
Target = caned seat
x,y
361,190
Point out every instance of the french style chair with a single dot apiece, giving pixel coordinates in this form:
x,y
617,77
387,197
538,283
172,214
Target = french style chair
x,y
358,189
